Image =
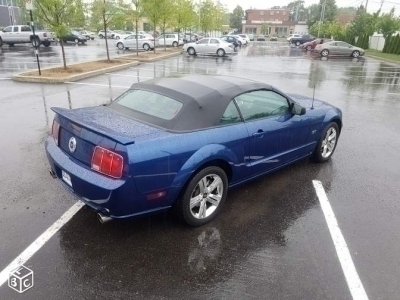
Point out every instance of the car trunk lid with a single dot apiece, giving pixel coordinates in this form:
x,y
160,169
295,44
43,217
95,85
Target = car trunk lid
x,y
96,126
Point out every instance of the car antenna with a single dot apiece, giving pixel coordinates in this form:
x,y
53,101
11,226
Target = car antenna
x,y
313,97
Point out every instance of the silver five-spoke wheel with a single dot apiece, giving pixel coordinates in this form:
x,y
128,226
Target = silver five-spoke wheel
x,y
328,143
206,196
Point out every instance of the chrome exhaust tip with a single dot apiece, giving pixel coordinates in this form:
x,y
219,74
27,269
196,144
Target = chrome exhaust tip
x,y
103,219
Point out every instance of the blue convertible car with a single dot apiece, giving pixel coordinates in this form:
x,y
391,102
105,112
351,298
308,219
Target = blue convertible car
x,y
182,142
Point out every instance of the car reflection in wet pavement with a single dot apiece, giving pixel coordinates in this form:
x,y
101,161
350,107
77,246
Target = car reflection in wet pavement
x,y
271,241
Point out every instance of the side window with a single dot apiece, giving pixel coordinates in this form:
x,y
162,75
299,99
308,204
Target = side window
x,y
261,104
15,29
25,28
203,41
214,41
231,115
7,29
343,44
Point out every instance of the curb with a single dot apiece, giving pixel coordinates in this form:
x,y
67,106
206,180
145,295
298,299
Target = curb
x,y
41,79
143,59
383,59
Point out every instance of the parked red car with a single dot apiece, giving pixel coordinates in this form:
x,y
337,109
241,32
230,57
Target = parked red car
x,y
309,46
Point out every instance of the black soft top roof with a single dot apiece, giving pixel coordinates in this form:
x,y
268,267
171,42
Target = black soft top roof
x,y
204,99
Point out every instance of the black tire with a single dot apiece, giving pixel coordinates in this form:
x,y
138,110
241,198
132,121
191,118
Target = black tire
x,y
101,36
117,37
240,44
146,47
175,44
308,48
92,38
221,52
120,46
183,205
191,51
10,44
355,54
324,52
35,42
297,43
76,41
1,42
317,154
46,44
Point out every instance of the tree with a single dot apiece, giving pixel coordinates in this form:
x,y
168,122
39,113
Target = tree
x,y
236,18
206,15
137,14
388,24
184,14
108,13
78,17
56,15
329,13
153,11
297,10
166,16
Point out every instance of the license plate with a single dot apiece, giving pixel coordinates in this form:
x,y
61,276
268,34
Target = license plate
x,y
66,178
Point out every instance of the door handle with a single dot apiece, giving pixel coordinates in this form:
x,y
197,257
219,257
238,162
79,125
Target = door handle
x,y
260,133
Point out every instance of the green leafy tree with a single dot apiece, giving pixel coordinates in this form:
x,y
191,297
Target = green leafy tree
x,y
153,11
166,16
107,13
185,15
56,14
388,24
297,10
313,14
78,18
136,14
330,11
236,18
206,15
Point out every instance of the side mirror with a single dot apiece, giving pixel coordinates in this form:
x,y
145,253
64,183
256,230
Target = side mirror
x,y
297,109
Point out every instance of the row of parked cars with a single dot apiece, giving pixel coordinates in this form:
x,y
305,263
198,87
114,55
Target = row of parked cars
x,y
325,47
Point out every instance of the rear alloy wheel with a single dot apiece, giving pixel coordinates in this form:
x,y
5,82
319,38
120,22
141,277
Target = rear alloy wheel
x,y
204,196
146,47
325,53
355,54
327,143
191,51
221,52
297,43
76,41
175,44
120,46
117,37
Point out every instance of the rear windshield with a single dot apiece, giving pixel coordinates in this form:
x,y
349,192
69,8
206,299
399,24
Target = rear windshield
x,y
150,103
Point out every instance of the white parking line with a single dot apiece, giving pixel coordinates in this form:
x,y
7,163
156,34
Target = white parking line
x,y
353,280
40,241
126,75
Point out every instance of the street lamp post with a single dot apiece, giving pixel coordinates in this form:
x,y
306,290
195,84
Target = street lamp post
x,y
322,17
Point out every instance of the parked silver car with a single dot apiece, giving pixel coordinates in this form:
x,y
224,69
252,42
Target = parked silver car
x,y
209,46
130,42
338,48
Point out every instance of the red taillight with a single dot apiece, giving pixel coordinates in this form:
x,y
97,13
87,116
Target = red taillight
x,y
55,130
107,162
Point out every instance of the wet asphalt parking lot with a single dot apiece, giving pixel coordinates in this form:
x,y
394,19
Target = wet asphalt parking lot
x,y
271,240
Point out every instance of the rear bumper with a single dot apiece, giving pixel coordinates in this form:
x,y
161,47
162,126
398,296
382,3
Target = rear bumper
x,y
112,197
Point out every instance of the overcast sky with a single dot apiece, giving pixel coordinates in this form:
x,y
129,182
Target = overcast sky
x,y
373,5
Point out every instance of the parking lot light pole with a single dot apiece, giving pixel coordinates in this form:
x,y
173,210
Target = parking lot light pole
x,y
36,42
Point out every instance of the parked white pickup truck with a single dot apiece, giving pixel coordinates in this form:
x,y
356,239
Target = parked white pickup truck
x,y
18,34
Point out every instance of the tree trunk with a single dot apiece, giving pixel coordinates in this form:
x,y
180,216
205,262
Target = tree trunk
x,y
105,33
63,54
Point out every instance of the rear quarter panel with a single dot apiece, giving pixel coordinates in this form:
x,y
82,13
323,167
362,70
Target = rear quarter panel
x,y
168,161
